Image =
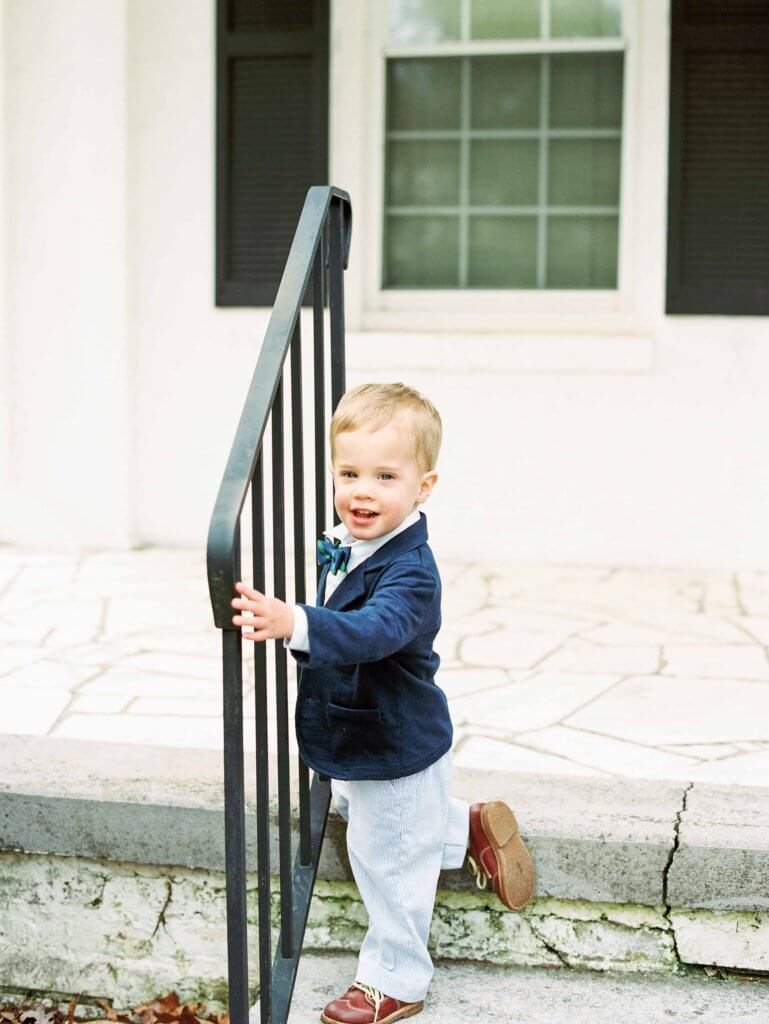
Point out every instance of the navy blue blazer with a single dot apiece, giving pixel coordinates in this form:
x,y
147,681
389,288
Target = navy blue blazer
x,y
368,706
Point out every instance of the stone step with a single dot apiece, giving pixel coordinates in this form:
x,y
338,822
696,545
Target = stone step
x,y
632,875
463,993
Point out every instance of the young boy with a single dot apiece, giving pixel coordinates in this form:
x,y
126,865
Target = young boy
x,y
369,713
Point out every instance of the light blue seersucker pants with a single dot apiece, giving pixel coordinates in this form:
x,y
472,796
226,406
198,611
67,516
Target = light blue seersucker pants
x,y
400,833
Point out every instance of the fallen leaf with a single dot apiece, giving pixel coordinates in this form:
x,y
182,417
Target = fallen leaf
x,y
71,1009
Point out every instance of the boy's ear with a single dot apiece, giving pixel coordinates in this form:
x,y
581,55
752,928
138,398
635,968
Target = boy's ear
x,y
429,480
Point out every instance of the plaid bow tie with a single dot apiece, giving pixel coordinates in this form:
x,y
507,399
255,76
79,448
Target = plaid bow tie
x,y
336,553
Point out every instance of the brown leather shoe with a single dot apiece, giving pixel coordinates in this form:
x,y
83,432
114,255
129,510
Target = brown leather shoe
x,y
362,1004
497,852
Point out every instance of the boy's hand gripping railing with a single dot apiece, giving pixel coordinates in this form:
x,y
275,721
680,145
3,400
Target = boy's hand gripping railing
x,y
321,243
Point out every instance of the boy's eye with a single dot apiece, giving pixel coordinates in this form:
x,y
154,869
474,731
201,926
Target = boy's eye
x,y
350,472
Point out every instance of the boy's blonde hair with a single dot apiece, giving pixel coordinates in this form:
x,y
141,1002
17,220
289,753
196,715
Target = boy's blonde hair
x,y
373,406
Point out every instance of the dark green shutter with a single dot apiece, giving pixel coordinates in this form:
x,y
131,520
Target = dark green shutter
x,y
271,137
718,188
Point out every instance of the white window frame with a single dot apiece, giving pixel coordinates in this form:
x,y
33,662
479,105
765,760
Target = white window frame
x,y
494,309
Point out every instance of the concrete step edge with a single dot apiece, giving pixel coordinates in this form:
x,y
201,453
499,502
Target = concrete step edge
x,y
626,841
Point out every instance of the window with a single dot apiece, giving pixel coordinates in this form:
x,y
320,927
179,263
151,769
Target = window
x,y
503,141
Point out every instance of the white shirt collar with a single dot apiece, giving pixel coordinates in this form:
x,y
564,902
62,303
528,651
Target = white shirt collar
x,y
361,547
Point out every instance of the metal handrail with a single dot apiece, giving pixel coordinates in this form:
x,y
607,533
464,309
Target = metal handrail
x,y
321,243
239,471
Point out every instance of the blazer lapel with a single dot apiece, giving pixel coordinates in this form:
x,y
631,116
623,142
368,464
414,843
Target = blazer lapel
x,y
351,587
322,584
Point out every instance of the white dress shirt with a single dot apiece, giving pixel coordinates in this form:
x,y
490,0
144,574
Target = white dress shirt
x,y
359,551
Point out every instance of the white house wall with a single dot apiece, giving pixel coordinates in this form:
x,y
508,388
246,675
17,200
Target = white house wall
x,y
643,443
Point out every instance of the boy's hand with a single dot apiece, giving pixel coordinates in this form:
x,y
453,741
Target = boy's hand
x,y
272,618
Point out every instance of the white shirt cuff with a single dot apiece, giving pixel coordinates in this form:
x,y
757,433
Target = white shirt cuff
x,y
299,639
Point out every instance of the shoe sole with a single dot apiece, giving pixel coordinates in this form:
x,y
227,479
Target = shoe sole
x,y
405,1011
517,877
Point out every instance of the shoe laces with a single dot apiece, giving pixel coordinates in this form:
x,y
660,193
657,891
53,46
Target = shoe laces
x,y
373,995
481,878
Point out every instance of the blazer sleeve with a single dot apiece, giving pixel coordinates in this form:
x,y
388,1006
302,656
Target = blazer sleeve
x,y
389,619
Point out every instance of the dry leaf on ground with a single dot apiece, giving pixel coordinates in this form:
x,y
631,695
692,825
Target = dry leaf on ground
x,y
165,1010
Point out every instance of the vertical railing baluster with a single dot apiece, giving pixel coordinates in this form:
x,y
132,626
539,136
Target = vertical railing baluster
x,y
281,685
319,278
235,815
262,753
300,571
336,303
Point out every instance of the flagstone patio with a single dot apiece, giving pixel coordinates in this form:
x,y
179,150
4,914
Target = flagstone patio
x,y
603,671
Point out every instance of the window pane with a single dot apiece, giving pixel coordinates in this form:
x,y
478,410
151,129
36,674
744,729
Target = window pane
x,y
583,172
503,252
423,93
571,158
423,21
504,92
586,90
502,19
422,174
585,17
582,252
435,21
504,172
421,252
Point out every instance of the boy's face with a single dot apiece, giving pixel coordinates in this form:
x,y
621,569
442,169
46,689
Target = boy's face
x,y
376,471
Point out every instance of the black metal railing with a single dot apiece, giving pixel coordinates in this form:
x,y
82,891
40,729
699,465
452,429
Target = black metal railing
x,y
320,248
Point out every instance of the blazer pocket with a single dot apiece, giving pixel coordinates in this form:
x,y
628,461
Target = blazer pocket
x,y
357,735
354,714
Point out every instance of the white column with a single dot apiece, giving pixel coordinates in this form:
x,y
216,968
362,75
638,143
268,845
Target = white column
x,y
70,451
5,353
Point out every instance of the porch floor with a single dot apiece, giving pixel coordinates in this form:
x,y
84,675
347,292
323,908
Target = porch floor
x,y
575,670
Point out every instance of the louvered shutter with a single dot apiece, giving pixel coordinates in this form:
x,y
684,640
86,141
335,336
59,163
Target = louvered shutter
x,y
718,200
271,137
